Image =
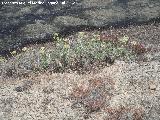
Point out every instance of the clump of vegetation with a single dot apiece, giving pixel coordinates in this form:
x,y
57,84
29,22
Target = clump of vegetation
x,y
94,96
123,113
2,59
81,54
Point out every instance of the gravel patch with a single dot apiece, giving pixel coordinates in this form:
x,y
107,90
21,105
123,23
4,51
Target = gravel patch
x,y
136,86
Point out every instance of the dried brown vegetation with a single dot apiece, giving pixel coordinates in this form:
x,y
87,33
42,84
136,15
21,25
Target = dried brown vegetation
x,y
135,46
124,113
95,96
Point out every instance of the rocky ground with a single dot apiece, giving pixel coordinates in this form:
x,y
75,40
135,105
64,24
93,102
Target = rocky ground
x,y
122,91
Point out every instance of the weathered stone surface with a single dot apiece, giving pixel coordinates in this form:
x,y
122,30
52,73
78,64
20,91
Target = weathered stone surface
x,y
28,23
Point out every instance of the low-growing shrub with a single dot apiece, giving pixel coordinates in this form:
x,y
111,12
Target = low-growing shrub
x,y
83,53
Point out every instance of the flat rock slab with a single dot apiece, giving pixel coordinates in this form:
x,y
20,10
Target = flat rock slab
x,y
35,23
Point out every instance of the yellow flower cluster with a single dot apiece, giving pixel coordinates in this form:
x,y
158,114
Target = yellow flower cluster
x,y
42,50
124,39
24,49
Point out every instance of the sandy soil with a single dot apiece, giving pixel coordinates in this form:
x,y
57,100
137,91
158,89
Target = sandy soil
x,y
136,87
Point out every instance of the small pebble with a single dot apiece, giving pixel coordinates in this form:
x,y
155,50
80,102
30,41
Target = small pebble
x,y
19,89
152,87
